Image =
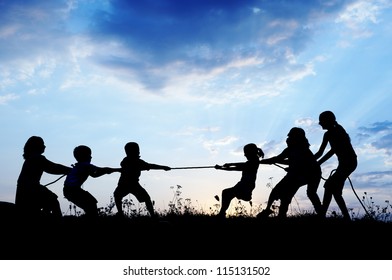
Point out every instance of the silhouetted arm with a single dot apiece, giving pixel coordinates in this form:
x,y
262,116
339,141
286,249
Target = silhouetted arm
x,y
55,168
99,171
321,150
234,166
157,166
282,158
329,154
323,145
114,169
274,160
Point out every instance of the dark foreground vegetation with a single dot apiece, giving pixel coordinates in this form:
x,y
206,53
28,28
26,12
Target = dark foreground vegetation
x,y
193,236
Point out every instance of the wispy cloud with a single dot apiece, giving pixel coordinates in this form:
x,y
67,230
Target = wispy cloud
x,y
358,15
4,99
374,179
214,145
376,139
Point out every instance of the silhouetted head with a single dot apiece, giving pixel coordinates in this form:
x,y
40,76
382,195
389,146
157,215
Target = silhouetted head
x,y
296,136
296,132
251,150
132,149
82,153
327,119
34,145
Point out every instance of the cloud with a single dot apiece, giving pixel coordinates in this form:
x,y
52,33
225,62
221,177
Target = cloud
x,y
376,139
139,41
28,25
305,122
213,145
358,15
206,35
4,99
385,143
377,127
373,179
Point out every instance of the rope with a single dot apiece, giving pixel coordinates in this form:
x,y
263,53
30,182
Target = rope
x,y
284,168
352,187
355,193
55,180
193,167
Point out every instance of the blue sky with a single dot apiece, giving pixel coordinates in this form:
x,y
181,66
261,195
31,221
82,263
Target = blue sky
x,y
193,82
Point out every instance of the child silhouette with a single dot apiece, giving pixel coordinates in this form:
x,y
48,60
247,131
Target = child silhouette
x,y
340,145
81,170
128,182
31,196
302,169
244,188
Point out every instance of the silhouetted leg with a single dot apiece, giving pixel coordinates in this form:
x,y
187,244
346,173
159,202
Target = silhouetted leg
x,y
118,197
227,196
274,195
91,210
85,201
335,185
339,178
50,204
150,208
284,207
118,202
286,196
142,195
56,209
326,198
311,192
342,205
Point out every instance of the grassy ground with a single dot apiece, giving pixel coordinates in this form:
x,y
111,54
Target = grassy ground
x,y
189,237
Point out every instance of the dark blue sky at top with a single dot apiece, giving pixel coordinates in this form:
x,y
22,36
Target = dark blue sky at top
x,y
163,31
201,35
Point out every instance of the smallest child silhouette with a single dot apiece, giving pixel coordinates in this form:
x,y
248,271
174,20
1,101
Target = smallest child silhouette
x,y
128,182
81,170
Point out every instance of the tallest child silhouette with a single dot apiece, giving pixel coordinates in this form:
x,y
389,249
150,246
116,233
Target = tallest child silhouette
x,y
340,145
